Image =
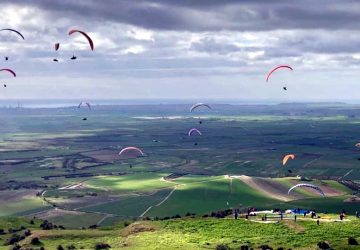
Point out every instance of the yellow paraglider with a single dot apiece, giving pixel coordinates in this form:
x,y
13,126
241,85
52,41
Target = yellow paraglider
x,y
287,157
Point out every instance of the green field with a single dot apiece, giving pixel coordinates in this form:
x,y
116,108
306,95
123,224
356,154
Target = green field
x,y
74,168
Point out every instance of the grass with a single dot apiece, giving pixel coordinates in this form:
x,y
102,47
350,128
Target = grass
x,y
200,234
132,206
129,183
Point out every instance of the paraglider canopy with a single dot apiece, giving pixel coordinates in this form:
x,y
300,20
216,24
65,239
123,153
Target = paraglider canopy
x,y
200,104
57,46
194,130
275,69
307,185
287,157
357,145
132,149
10,71
84,103
17,32
91,44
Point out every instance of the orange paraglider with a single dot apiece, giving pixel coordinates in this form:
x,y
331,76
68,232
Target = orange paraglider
x,y
287,157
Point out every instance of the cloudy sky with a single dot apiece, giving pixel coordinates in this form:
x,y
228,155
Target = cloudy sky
x,y
182,49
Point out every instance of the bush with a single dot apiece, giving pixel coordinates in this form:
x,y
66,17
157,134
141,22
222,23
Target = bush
x,y
13,239
244,247
35,241
27,233
71,247
16,247
323,245
352,241
265,247
100,246
60,247
222,247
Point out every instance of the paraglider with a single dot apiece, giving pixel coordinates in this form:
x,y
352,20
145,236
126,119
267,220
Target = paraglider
x,y
194,130
307,185
83,104
17,32
57,46
275,69
357,145
134,149
55,60
6,58
73,57
84,119
284,88
91,44
287,157
200,104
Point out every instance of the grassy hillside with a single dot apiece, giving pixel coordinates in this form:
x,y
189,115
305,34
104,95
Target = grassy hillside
x,y
196,233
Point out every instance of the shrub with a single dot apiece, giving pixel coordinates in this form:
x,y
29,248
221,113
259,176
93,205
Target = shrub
x,y
13,239
60,247
323,245
352,241
265,247
222,247
35,241
16,247
100,246
71,247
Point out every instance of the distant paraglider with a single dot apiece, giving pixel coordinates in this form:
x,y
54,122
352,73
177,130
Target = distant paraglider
x,y
90,41
287,157
87,104
17,32
357,145
197,105
83,104
194,130
10,71
307,185
275,69
132,149
57,46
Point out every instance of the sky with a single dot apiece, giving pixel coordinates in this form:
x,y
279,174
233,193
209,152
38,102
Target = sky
x,y
182,49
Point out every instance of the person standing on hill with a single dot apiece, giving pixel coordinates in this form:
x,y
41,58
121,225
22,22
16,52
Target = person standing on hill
x,y
236,214
318,222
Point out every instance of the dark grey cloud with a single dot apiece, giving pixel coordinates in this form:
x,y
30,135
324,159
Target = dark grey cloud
x,y
211,15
